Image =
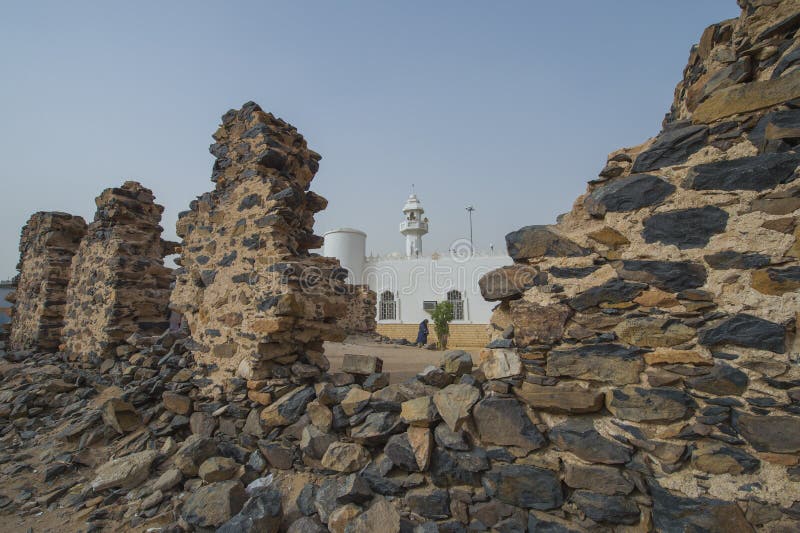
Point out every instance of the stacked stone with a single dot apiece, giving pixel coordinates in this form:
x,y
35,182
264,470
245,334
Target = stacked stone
x,y
361,309
47,244
254,299
119,284
662,311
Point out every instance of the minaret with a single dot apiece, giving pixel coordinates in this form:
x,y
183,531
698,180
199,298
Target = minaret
x,y
414,226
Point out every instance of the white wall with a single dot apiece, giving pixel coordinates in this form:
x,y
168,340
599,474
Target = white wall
x,y
416,280
349,246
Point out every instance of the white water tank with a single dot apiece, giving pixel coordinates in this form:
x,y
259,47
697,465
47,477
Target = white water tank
x,y
349,246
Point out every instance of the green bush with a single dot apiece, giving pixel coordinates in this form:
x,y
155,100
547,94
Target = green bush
x,y
441,316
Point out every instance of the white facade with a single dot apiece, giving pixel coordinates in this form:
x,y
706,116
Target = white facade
x,y
407,284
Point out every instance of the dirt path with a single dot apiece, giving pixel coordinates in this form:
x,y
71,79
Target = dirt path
x,y
401,362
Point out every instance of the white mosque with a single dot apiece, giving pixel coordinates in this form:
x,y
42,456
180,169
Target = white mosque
x,y
409,285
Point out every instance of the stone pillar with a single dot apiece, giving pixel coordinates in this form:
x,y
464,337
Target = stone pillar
x,y
252,295
47,245
361,310
119,284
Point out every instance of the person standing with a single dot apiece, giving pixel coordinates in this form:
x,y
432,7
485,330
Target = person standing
x,y
422,333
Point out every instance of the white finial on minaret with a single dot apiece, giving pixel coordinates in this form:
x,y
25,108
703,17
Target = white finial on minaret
x,y
414,226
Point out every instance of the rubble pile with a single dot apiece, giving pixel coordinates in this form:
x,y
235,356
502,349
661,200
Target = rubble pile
x,y
119,284
47,244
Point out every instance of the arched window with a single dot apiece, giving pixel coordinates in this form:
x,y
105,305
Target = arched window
x,y
455,298
387,308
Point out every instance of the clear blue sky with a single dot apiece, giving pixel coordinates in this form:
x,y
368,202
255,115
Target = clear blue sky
x,y
511,106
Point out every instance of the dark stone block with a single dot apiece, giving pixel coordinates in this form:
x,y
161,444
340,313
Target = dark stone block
x,y
628,194
666,275
574,272
730,259
678,514
748,331
754,173
540,241
723,380
776,434
605,508
685,228
672,147
578,436
458,468
525,486
612,291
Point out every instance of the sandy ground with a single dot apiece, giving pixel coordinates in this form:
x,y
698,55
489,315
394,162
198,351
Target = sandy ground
x,y
401,362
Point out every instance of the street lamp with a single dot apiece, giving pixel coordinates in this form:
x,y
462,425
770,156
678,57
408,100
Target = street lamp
x,y
470,209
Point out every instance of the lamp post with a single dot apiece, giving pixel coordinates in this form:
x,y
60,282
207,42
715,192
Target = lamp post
x,y
470,209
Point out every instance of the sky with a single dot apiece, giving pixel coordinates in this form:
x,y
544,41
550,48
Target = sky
x,y
509,106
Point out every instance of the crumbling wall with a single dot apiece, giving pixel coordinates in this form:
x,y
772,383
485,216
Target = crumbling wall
x,y
659,343
47,244
254,298
361,309
119,284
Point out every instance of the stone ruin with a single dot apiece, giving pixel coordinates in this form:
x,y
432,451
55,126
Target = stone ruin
x,y
361,310
253,297
46,247
119,285
643,373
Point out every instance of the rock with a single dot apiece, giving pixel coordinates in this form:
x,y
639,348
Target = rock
x,y
447,438
381,516
675,513
376,428
217,469
602,479
429,502
717,458
398,448
288,408
572,272
685,228
746,97
608,237
723,380
353,489
361,364
503,421
612,291
260,514
509,282
457,362
753,173
536,324
729,259
421,441
666,275
120,415
627,194
192,453
454,403
560,398
434,376
356,400
419,411
661,404
314,442
177,403
778,202
500,363
345,457
169,479
547,523
203,424
278,455
776,434
577,435
533,242
604,508
654,332
307,524
320,415
673,356
450,467
210,506
125,472
671,147
748,331
525,486
376,381
610,363
776,281
341,517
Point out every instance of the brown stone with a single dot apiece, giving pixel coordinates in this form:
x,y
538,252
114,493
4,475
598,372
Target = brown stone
x,y
652,332
454,403
419,411
656,298
345,457
560,398
746,97
177,403
536,324
500,363
361,364
421,441
673,356
608,236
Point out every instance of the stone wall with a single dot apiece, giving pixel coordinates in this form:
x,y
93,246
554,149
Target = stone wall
x,y
361,309
47,244
656,322
119,284
254,298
